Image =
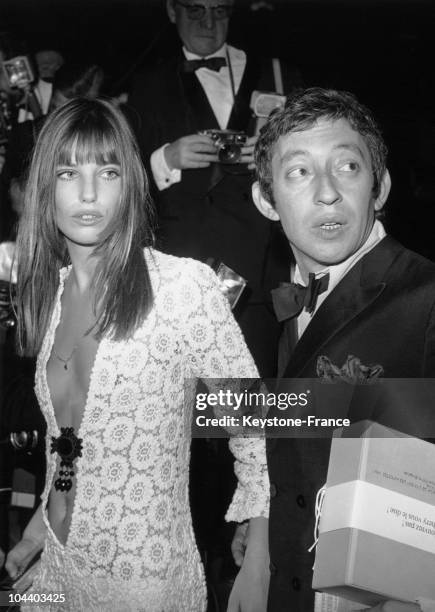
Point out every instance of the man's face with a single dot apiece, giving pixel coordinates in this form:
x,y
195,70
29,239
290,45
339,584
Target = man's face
x,y
322,186
201,36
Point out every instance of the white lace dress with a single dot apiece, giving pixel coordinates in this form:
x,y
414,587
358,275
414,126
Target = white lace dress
x,y
131,544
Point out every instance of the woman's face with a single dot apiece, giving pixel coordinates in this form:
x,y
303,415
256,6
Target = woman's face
x,y
87,196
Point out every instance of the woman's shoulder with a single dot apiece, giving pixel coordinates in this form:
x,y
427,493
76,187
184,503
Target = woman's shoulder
x,y
170,268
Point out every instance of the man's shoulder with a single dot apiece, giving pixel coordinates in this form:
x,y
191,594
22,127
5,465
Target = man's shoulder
x,y
153,93
412,260
267,69
153,74
397,265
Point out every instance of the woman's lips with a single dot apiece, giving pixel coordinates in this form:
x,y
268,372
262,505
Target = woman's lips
x,y
88,218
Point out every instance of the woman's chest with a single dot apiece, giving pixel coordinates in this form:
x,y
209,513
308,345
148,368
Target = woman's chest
x,y
71,359
68,380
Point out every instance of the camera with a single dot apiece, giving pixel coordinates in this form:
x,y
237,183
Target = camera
x,y
23,440
229,144
19,71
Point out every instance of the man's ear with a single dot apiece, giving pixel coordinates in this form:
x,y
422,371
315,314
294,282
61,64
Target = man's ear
x,y
265,207
170,9
384,190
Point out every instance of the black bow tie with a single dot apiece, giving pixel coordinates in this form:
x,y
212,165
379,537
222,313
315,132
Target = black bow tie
x,y
290,298
212,63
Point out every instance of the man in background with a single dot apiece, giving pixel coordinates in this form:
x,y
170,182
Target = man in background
x,y
204,206
48,62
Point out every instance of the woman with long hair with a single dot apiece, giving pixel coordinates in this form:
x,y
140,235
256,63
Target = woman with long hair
x,y
122,332
19,407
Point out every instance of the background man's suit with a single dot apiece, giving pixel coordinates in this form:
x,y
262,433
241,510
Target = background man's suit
x,y
210,213
383,312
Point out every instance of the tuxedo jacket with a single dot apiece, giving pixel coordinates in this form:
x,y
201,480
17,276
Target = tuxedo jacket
x,y
210,212
382,312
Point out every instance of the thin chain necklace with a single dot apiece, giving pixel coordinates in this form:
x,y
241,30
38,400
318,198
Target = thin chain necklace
x,y
67,360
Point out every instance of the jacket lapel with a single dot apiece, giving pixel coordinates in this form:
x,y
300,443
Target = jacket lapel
x,y
241,113
200,113
361,286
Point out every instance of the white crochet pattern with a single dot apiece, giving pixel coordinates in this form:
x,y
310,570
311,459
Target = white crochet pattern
x,y
131,545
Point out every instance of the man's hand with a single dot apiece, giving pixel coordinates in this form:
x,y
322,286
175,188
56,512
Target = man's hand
x,y
238,545
194,151
250,590
238,549
248,152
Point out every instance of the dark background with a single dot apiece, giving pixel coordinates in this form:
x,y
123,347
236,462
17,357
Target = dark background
x,y
380,50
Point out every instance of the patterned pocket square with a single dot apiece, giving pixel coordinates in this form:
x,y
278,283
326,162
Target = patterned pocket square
x,y
353,371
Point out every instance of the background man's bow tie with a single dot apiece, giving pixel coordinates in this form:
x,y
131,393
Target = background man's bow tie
x,y
290,298
212,63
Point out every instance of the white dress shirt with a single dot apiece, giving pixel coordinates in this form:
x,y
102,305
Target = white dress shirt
x,y
337,272
217,87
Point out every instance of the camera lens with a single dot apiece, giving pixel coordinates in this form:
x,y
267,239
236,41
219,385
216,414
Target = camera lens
x,y
23,440
230,153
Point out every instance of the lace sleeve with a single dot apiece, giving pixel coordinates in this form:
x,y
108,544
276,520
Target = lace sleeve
x,y
217,349
251,497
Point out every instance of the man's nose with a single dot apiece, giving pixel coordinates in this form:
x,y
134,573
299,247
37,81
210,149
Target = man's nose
x,y
88,189
208,21
327,190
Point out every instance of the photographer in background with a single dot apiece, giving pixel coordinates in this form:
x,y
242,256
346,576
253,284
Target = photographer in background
x,y
48,62
205,206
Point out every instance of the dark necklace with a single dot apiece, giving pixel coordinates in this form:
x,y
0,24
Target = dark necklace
x,y
68,446
67,360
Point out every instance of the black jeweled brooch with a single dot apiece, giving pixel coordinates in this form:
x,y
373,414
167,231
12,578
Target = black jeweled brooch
x,y
68,446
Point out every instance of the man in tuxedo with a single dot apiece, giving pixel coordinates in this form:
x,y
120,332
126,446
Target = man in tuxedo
x,y
321,164
204,206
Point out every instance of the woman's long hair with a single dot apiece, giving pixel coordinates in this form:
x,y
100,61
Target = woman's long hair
x,y
91,131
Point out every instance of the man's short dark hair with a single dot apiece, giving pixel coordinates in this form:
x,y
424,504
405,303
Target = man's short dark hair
x,y
301,110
